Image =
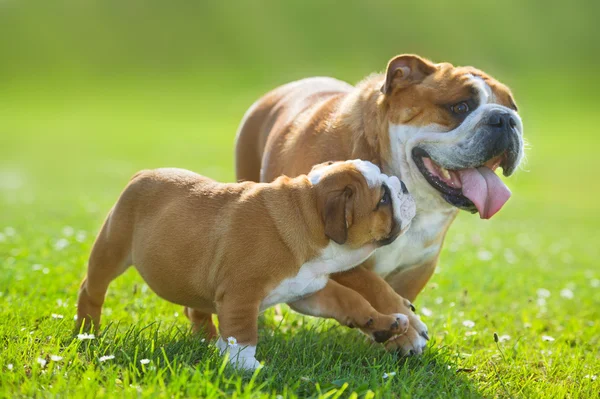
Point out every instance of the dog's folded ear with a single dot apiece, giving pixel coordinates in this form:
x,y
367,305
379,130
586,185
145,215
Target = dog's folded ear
x,y
406,70
337,214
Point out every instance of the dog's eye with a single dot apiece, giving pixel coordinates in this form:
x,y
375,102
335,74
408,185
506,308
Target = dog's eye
x,y
460,108
386,198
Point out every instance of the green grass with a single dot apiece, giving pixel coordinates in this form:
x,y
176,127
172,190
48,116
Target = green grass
x,y
66,152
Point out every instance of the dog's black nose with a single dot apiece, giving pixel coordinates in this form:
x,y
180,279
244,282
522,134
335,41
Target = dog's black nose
x,y
501,121
403,186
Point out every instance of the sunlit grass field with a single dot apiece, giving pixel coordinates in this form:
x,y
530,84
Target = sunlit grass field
x,y
530,275
91,92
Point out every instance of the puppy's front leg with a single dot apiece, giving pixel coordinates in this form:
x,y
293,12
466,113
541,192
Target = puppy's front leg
x,y
350,308
383,298
238,326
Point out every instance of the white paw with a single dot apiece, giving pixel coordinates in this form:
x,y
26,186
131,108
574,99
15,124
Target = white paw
x,y
413,341
403,320
240,356
246,364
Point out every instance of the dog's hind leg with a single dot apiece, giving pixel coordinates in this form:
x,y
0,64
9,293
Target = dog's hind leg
x,y
110,257
201,322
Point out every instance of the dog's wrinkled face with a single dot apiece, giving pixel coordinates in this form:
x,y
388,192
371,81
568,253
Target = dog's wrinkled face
x,y
359,204
450,129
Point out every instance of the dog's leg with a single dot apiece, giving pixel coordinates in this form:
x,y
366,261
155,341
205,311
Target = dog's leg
x,y
238,327
409,283
201,322
351,309
109,259
383,298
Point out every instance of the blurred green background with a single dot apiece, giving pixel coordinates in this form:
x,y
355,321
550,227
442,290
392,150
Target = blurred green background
x,y
92,91
98,89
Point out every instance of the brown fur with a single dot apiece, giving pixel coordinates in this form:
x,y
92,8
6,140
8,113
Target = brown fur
x,y
314,120
202,244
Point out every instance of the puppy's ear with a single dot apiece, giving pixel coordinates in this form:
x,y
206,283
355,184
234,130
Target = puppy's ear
x,y
337,214
406,70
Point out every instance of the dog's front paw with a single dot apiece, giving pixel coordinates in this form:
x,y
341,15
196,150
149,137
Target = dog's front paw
x,y
382,327
414,340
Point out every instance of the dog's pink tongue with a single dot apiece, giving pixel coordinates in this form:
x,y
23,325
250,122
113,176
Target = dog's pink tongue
x,y
485,189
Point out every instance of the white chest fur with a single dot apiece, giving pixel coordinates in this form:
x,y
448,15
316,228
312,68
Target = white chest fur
x,y
418,244
313,275
414,247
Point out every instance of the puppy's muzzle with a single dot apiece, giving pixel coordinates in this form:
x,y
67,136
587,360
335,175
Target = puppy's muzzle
x,y
403,214
394,233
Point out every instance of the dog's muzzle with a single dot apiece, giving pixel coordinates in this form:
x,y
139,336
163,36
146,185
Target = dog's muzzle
x,y
499,136
461,165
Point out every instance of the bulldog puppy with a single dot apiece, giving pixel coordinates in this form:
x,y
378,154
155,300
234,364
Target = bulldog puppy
x,y
237,249
442,129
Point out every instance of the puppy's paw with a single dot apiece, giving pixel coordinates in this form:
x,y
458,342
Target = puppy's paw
x,y
382,327
414,340
240,356
247,363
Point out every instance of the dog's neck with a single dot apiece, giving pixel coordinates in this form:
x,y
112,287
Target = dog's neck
x,y
364,113
307,238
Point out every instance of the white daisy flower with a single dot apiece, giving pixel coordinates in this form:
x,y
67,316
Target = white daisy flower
x,y
9,366
61,244
56,358
543,293
105,358
547,338
426,312
541,301
387,375
470,333
504,337
81,236
145,361
484,255
68,231
595,283
57,316
567,293
231,341
42,362
468,323
85,336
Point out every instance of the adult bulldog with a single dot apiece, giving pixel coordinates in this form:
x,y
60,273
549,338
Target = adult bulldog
x,y
442,129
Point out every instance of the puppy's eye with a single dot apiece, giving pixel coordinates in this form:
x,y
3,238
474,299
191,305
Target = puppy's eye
x,y
386,198
460,108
